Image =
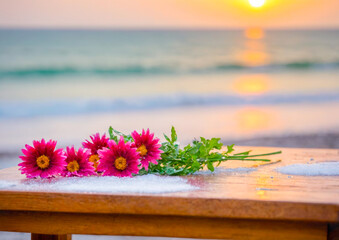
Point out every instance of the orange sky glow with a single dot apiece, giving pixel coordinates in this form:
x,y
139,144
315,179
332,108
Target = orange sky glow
x,y
168,14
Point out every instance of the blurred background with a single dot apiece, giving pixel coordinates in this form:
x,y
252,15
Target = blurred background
x,y
252,72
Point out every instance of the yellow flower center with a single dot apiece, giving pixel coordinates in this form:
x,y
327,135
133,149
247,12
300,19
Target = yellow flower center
x,y
73,166
120,163
95,160
42,162
142,150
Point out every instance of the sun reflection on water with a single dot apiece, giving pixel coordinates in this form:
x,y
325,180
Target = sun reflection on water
x,y
253,84
255,53
252,119
254,58
254,33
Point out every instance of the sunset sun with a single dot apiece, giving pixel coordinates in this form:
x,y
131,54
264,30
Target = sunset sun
x,y
256,3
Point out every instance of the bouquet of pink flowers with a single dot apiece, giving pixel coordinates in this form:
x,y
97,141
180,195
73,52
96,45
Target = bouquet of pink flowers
x,y
127,155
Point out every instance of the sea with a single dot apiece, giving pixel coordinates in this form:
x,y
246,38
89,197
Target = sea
x,y
232,84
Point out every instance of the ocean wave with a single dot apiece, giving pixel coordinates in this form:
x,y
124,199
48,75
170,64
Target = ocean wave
x,y
296,65
162,69
62,71
62,107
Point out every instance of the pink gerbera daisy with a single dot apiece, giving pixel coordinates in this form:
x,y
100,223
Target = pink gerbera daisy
x,y
148,147
96,144
42,160
120,159
77,163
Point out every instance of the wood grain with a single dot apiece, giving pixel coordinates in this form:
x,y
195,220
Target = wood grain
x,y
35,236
174,206
259,194
165,226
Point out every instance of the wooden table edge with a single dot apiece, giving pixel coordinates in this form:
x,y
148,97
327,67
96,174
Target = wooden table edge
x,y
168,205
64,224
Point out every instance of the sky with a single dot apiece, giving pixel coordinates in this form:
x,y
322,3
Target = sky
x,y
149,14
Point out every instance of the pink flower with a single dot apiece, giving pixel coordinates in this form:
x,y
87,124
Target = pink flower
x,y
119,160
148,147
42,160
77,163
96,144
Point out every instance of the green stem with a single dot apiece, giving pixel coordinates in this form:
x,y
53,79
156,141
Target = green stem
x,y
246,159
265,154
242,153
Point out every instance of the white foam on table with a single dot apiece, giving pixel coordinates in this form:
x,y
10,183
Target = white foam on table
x,y
139,184
314,169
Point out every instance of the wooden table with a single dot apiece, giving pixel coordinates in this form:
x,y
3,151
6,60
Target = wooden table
x,y
260,204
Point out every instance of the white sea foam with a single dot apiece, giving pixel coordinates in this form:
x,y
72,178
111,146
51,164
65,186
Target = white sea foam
x,y
139,184
314,169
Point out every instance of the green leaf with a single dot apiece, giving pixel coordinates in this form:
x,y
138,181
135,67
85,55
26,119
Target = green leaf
x,y
195,165
173,135
110,132
112,136
230,148
214,143
117,132
115,135
210,166
167,138
203,151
